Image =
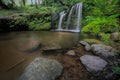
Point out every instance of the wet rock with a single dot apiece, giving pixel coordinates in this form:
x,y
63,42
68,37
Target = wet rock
x,y
70,53
42,69
87,46
93,63
103,50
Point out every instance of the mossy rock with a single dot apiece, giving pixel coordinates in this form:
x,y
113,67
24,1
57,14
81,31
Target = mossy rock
x,y
93,41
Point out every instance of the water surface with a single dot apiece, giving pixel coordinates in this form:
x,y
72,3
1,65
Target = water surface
x,y
15,48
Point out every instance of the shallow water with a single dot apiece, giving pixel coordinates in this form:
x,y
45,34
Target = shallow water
x,y
13,47
63,39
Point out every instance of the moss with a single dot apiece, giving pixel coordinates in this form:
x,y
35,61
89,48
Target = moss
x,y
93,41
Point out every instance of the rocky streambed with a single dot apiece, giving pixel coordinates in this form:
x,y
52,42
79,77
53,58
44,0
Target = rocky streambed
x,y
83,62
24,57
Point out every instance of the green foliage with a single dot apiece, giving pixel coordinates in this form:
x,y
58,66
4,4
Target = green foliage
x,y
8,3
93,25
71,2
106,37
100,24
20,21
48,2
39,24
102,7
93,41
116,69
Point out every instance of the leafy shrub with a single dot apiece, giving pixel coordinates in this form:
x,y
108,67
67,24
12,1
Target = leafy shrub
x,y
100,24
18,22
38,24
102,7
106,37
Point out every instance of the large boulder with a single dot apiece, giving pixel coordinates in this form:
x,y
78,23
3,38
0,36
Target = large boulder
x,y
87,46
93,63
42,69
103,50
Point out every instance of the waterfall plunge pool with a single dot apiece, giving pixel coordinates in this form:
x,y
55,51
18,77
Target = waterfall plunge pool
x,y
13,47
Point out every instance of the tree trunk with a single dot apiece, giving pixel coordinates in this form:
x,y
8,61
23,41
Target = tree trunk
x,y
13,3
31,2
39,2
36,4
24,2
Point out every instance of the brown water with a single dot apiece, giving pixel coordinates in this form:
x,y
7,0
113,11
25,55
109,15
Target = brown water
x,y
15,46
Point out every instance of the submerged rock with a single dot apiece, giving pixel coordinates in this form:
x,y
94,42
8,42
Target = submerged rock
x,y
29,45
87,46
70,53
93,63
103,50
51,47
42,69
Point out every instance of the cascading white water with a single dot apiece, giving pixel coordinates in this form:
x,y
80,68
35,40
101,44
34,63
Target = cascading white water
x,y
74,19
62,14
69,17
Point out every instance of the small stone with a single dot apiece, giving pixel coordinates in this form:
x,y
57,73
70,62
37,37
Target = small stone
x,y
87,46
71,53
83,43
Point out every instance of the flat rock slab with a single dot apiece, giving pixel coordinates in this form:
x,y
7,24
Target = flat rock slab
x,y
51,47
93,63
42,69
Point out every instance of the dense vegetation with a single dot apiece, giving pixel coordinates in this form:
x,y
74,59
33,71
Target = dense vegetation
x,y
99,16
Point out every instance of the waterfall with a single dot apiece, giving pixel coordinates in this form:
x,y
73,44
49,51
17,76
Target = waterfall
x,y
69,17
62,14
74,19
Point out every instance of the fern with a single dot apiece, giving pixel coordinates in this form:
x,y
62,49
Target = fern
x,y
96,25
102,7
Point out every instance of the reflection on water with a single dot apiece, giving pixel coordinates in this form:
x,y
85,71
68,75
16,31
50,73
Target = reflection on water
x,y
14,44
29,39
